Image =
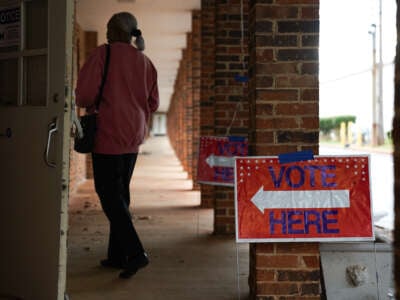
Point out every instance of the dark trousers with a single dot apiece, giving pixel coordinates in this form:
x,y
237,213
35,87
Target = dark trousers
x,y
112,175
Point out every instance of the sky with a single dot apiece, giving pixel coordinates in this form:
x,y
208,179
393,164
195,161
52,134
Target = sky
x,y
346,58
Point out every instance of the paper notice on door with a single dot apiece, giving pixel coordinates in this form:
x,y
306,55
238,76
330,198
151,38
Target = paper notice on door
x,y
10,23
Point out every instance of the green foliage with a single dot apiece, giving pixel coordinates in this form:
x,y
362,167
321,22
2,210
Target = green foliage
x,y
389,134
326,125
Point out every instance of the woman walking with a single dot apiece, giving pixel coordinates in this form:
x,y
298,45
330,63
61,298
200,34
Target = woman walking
x,y
129,97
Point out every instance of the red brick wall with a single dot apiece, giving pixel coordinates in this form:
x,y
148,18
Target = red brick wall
x,y
183,123
284,271
90,43
196,81
230,96
284,117
83,40
207,85
188,109
176,116
396,140
221,94
176,113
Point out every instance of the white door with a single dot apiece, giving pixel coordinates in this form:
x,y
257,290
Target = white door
x,y
34,120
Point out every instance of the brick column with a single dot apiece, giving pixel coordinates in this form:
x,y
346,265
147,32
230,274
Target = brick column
x,y
77,170
207,79
90,43
396,140
188,108
228,93
183,114
173,117
182,133
220,93
176,116
184,111
196,82
284,117
81,164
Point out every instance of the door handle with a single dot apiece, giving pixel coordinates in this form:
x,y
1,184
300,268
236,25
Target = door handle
x,y
53,128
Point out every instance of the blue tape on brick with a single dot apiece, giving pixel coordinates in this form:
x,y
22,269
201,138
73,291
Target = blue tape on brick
x,y
236,138
295,156
241,78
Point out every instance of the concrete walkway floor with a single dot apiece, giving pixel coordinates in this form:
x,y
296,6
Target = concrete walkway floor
x,y
186,260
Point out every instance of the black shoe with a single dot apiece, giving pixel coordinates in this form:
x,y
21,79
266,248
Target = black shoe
x,y
108,263
133,265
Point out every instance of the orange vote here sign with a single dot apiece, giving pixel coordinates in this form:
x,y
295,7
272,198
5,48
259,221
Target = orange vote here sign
x,y
323,199
217,159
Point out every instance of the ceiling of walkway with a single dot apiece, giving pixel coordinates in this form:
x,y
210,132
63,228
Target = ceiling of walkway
x,y
164,24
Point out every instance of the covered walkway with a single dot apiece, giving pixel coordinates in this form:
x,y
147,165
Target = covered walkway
x,y
187,260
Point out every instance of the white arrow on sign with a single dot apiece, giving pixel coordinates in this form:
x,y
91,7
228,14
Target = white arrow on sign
x,y
300,199
220,161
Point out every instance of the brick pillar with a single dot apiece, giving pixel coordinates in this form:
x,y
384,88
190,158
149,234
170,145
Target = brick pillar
x,y
176,116
181,146
173,117
228,95
207,102
196,82
81,164
284,117
183,117
77,171
172,121
90,44
396,140
188,107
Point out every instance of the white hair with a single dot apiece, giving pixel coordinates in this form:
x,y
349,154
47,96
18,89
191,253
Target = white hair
x,y
121,27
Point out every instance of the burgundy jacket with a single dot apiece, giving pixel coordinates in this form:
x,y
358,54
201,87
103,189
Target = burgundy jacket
x,y
130,96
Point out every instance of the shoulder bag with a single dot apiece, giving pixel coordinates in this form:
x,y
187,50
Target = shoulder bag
x,y
85,143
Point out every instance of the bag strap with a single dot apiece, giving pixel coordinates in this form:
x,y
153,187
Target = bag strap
x,y
103,80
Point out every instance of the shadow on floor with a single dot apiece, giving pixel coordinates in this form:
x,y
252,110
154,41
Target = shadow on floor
x,y
187,261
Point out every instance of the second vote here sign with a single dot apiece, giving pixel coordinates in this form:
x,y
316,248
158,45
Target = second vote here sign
x,y
217,159
324,199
